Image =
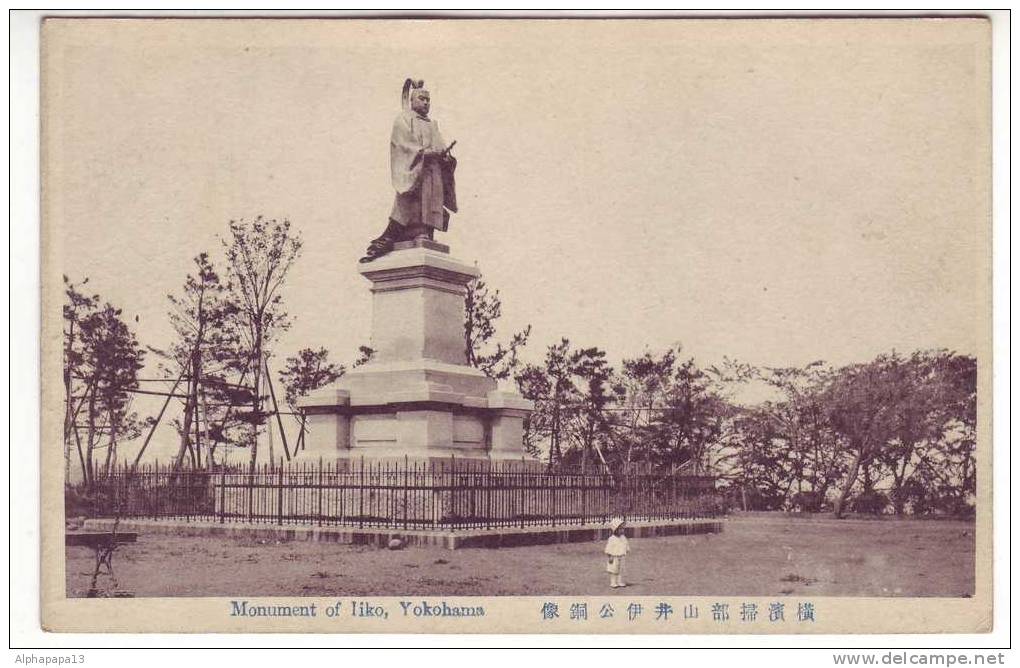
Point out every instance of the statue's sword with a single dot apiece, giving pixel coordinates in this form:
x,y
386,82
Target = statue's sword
x,y
445,153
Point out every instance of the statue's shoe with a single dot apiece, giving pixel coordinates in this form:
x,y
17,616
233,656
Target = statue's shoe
x,y
377,249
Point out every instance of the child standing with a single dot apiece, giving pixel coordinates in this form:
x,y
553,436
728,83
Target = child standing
x,y
617,548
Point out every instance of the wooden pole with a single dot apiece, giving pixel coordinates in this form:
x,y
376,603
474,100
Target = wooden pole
x,y
301,436
194,401
276,408
269,426
159,417
205,429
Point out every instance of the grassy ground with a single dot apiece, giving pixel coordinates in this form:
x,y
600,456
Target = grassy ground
x,y
754,556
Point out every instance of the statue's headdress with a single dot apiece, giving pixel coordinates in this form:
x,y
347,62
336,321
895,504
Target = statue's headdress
x,y
410,85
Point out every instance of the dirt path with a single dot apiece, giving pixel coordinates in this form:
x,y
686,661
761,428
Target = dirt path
x,y
779,556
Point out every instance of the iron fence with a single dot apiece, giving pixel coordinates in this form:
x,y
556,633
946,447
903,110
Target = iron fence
x,y
402,494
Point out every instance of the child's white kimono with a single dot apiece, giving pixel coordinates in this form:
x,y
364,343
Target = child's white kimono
x,y
617,548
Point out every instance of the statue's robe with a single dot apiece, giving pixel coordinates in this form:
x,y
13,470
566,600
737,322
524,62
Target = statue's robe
x,y
425,189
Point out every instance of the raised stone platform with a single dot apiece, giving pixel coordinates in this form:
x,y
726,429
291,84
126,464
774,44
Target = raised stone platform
x,y
380,537
421,243
417,397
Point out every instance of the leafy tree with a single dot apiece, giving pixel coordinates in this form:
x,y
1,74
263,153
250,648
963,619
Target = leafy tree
x,y
948,466
933,424
78,308
307,371
589,423
535,384
205,356
571,392
896,429
365,355
259,255
815,453
677,412
863,402
482,309
643,381
691,418
102,358
116,361
552,390
763,470
945,477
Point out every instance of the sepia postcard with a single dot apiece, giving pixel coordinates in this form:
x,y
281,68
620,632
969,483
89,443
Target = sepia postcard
x,y
586,326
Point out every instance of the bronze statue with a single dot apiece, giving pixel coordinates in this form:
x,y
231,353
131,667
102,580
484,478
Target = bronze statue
x,y
422,169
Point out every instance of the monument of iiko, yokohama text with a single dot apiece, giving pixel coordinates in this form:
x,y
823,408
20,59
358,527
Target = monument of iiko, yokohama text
x,y
417,397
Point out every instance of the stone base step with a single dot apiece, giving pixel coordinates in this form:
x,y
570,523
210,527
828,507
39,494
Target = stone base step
x,y
381,537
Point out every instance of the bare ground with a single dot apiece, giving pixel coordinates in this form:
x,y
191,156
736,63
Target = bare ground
x,y
753,556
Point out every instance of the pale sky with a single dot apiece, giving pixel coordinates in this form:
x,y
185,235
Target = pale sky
x,y
776,192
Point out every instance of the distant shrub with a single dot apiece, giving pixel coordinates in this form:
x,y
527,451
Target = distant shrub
x,y
714,504
871,503
79,501
808,502
757,499
933,504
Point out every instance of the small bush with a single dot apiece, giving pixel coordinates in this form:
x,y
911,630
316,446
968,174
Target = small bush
x,y
871,503
760,500
808,502
79,501
715,504
951,506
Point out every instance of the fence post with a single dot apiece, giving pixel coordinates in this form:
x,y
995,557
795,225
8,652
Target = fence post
x,y
520,485
223,491
674,505
488,495
407,491
318,502
279,493
186,493
157,505
251,492
341,476
361,495
604,497
584,498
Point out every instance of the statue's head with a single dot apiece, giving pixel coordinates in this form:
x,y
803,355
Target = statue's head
x,y
420,101
415,97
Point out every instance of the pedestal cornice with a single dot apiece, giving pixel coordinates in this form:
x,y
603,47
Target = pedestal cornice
x,y
418,267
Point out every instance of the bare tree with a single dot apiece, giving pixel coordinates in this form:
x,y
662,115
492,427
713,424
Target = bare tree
x,y
259,255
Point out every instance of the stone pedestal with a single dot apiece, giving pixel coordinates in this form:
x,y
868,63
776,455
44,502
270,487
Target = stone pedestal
x,y
417,397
